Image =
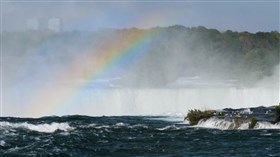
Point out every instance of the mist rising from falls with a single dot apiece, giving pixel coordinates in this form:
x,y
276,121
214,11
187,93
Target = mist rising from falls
x,y
98,102
158,101
137,71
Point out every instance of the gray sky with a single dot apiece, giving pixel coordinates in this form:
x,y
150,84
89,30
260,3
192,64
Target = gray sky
x,y
249,16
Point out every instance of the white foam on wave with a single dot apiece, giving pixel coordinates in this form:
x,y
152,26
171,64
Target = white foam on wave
x,y
170,127
216,123
138,126
101,127
120,124
244,126
47,128
117,125
2,143
92,125
186,121
267,125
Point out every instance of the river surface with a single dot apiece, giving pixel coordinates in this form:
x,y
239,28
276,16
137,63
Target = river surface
x,y
136,136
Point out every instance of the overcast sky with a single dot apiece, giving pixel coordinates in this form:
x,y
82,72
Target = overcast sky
x,y
249,16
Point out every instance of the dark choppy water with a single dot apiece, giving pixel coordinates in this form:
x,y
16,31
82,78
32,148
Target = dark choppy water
x,y
131,136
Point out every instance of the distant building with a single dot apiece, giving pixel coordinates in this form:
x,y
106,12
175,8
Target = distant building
x,y
53,24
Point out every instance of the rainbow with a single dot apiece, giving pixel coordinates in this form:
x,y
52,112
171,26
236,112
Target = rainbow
x,y
121,52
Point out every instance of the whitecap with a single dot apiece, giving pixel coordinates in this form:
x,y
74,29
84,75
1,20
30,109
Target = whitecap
x,y
216,123
267,125
268,134
102,127
170,127
92,125
244,126
47,128
89,126
120,124
138,126
2,143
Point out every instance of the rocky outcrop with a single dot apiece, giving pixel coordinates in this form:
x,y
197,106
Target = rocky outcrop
x,y
220,119
250,118
258,117
277,113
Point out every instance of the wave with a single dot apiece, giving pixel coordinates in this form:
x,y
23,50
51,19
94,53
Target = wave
x,y
120,124
267,125
47,128
170,127
115,126
2,143
223,124
138,126
216,123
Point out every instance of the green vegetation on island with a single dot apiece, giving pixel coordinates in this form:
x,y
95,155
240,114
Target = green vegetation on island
x,y
194,116
253,122
238,118
277,113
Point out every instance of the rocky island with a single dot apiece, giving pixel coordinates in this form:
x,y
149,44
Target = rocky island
x,y
253,118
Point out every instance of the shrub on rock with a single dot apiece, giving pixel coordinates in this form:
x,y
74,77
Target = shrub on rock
x,y
277,113
253,122
194,116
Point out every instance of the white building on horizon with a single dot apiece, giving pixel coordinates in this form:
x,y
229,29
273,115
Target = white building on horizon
x,y
53,24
